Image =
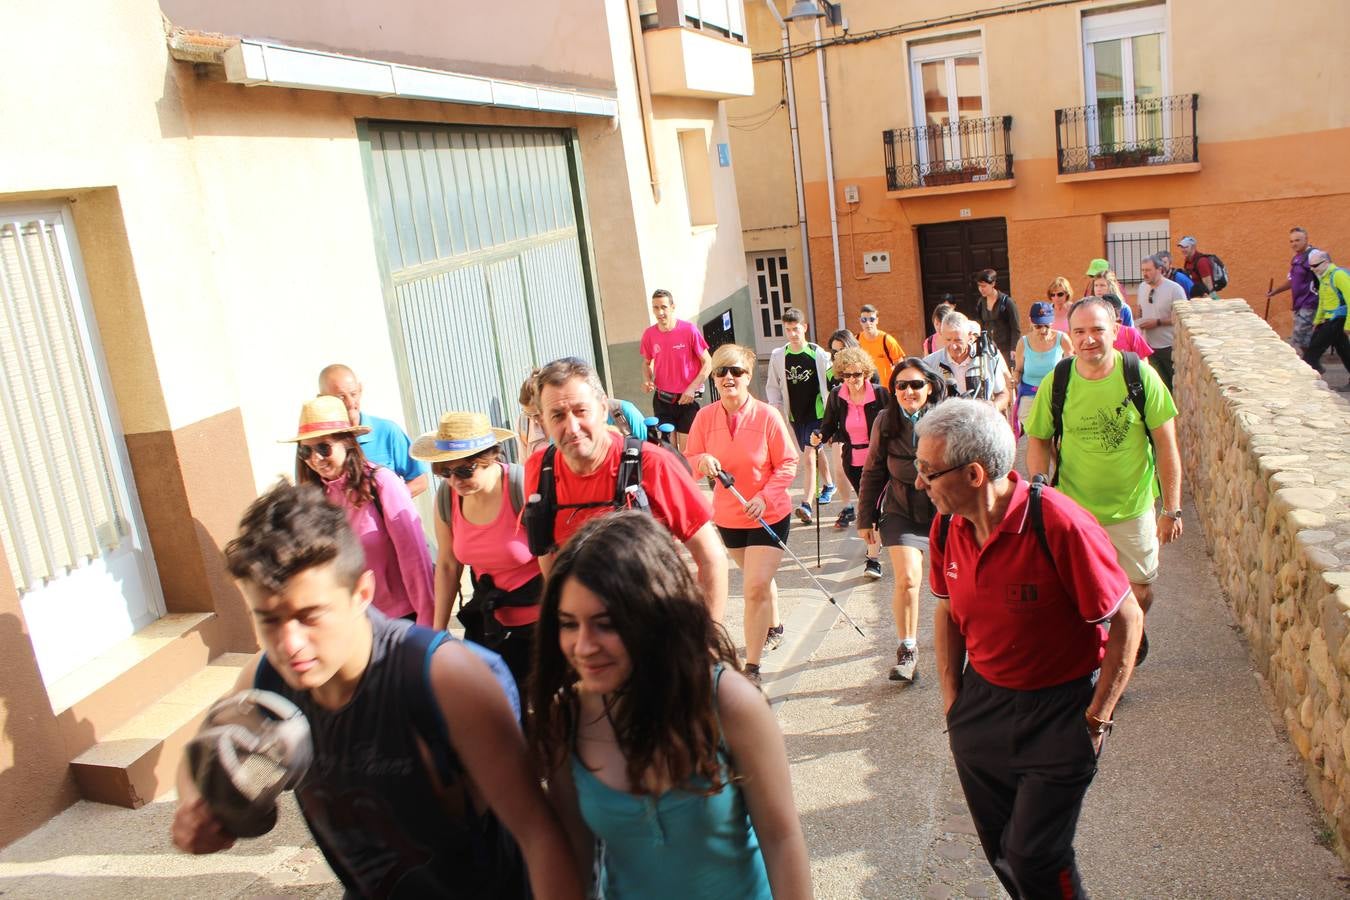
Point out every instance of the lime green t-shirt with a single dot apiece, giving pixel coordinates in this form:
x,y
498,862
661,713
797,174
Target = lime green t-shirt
x,y
1107,459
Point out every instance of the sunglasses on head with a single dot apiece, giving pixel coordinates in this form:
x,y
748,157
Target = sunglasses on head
x,y
463,473
323,448
733,371
914,384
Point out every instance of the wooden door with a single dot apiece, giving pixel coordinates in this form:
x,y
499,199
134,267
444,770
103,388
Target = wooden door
x,y
950,255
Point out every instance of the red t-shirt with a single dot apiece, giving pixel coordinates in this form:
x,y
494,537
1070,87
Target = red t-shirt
x,y
675,500
1030,623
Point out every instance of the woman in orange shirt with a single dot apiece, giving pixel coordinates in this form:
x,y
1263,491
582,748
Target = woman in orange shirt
x,y
747,439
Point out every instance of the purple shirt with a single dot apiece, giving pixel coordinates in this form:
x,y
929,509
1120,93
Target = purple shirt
x,y
395,547
1302,282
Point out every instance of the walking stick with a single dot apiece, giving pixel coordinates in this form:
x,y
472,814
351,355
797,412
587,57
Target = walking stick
x,y
1266,315
730,484
815,490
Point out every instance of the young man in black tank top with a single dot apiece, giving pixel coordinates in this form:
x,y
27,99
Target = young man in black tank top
x,y
416,766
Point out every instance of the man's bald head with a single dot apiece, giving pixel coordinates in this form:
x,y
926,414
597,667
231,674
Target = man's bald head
x,y
340,381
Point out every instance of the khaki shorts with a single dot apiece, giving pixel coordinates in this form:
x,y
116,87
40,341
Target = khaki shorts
x,y
1136,543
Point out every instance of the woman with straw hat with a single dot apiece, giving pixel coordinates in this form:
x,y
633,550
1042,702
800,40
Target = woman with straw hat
x,y
378,506
478,525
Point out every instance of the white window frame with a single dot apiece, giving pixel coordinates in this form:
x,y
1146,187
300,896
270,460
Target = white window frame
x,y
945,49
1124,25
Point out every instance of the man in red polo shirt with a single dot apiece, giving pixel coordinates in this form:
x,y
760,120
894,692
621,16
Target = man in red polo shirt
x,y
1026,609
572,408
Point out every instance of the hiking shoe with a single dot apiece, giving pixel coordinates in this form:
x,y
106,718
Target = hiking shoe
x,y
1143,650
751,672
872,568
905,664
804,513
846,518
774,640
827,493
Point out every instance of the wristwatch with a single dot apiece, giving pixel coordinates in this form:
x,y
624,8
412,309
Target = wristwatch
x,y
1172,514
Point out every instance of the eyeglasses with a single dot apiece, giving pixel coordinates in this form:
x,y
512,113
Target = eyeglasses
x,y
733,371
851,375
1058,294
463,473
323,448
936,475
914,384
867,318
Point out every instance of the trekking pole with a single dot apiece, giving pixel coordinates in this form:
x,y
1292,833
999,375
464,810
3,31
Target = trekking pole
x,y
730,484
815,491
1266,314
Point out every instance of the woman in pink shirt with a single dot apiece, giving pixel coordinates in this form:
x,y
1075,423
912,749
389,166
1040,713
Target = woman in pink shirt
x,y
379,507
1058,294
1128,337
478,525
747,439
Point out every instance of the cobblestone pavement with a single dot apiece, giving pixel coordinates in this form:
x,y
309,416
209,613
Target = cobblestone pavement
x,y
1198,795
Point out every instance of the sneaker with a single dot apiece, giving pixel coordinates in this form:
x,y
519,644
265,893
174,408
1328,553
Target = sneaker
x,y
905,664
751,672
1143,650
804,513
774,640
872,568
846,518
827,493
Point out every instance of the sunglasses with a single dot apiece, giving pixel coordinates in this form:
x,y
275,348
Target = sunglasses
x,y
323,448
463,473
914,384
733,371
1058,294
851,375
867,318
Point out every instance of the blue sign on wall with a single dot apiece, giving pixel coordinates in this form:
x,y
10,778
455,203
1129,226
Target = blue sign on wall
x,y
724,155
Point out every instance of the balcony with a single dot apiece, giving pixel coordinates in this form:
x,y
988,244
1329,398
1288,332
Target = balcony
x,y
1155,136
972,154
697,48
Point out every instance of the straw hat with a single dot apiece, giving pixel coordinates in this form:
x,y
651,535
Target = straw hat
x,y
461,434
322,416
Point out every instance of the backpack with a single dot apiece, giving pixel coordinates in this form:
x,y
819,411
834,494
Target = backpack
x,y
541,510
1340,311
1034,514
1218,271
620,420
1059,392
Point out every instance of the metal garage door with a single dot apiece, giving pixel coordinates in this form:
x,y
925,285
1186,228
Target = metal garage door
x,y
486,261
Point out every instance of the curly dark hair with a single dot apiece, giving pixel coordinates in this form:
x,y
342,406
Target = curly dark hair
x,y
357,471
289,529
937,391
664,717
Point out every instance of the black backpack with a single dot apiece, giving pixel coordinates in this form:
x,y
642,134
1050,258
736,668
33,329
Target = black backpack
x,y
1218,271
541,510
1059,392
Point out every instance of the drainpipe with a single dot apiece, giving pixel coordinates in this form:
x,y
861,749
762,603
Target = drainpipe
x,y
829,175
796,164
644,95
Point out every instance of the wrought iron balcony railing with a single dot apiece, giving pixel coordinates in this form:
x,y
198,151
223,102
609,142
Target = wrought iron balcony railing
x,y
1118,135
968,151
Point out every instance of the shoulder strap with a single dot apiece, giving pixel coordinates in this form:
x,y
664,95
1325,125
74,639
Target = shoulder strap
x,y
414,655
1134,389
515,485
630,476
944,525
1059,391
1037,516
539,519
886,346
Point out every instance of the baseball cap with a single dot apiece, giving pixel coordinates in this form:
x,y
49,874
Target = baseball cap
x,y
251,747
1042,313
1098,267
1187,241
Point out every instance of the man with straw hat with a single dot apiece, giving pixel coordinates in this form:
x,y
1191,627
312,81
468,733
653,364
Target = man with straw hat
x,y
478,507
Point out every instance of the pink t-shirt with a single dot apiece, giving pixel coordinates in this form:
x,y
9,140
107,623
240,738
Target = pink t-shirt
x,y
498,549
676,355
1129,338
855,423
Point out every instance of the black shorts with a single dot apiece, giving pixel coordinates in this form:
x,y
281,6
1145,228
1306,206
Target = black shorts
x,y
681,415
899,531
740,538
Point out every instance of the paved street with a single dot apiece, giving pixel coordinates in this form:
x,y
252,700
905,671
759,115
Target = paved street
x,y
1198,795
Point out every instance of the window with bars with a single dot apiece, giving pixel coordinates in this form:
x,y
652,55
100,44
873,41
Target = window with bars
x,y
59,502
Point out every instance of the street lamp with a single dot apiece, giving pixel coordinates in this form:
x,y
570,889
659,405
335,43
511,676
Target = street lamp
x,y
803,11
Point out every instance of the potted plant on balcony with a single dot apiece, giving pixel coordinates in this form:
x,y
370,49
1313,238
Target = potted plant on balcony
x,y
955,175
1124,157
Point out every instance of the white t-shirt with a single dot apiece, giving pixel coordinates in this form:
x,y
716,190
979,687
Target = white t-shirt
x,y
940,362
1155,303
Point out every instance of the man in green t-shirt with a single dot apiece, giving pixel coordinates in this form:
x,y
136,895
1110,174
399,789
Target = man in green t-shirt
x,y
1106,462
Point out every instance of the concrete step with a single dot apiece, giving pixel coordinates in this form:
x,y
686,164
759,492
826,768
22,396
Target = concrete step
x,y
110,689
136,762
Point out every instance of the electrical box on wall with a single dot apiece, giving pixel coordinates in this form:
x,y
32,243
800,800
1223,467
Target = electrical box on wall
x,y
876,261
850,193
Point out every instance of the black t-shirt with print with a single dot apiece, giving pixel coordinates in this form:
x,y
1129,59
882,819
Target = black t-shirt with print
x,y
799,371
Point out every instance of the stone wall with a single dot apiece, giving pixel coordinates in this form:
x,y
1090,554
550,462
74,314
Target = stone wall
x,y
1266,449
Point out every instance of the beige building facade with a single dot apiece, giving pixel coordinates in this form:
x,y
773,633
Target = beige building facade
x,y
1032,137
202,204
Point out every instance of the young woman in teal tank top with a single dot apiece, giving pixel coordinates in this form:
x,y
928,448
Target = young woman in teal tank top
x,y
651,739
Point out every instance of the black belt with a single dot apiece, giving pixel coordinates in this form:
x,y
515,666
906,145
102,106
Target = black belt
x,y
668,397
